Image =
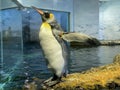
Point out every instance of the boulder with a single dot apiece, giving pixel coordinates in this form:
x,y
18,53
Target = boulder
x,y
80,39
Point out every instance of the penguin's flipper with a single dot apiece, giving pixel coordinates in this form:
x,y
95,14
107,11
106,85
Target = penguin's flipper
x,y
57,33
65,48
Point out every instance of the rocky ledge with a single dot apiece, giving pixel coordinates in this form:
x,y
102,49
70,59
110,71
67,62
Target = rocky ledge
x,y
100,78
110,42
80,39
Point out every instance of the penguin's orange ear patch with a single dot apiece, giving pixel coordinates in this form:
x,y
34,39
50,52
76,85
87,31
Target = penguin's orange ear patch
x,y
51,16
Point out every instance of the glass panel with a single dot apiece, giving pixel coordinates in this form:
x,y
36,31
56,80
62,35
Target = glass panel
x,y
63,19
35,64
12,44
0,43
1,61
21,53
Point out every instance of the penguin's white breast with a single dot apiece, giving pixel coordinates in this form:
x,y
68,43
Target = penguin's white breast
x,y
52,49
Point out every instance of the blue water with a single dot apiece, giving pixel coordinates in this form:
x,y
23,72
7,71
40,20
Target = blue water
x,y
31,63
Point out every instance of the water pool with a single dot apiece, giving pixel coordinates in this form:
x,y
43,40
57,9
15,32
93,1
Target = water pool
x,y
31,63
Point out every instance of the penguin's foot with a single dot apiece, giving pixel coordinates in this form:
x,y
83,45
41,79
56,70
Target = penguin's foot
x,y
48,80
52,81
45,87
50,84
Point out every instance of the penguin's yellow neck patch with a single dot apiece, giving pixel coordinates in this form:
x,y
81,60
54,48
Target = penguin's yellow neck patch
x,y
46,26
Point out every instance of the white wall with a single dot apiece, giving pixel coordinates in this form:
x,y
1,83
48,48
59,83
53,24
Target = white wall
x,y
86,17
110,20
98,19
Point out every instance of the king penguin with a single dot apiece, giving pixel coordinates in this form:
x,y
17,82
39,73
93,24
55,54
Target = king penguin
x,y
53,47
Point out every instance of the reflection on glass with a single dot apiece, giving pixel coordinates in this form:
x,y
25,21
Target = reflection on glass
x,y
0,43
11,29
32,20
0,54
11,42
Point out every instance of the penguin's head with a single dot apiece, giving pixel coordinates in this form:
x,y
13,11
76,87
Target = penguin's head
x,y
46,16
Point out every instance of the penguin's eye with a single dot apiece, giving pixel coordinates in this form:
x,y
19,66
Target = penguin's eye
x,y
47,15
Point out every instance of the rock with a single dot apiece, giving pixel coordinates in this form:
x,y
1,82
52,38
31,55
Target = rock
x,y
104,77
110,42
80,39
30,86
116,59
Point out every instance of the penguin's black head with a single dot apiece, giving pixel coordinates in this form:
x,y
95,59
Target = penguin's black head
x,y
46,16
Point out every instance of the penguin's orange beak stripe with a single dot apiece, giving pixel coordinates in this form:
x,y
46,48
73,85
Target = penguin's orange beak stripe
x,y
38,10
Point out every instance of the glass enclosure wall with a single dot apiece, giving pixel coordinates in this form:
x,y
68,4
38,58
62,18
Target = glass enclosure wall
x,y
0,43
12,38
21,57
11,44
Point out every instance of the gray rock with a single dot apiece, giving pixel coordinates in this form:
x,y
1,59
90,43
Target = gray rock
x,y
80,39
116,59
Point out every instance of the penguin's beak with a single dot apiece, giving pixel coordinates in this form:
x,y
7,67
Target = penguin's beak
x,y
38,10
